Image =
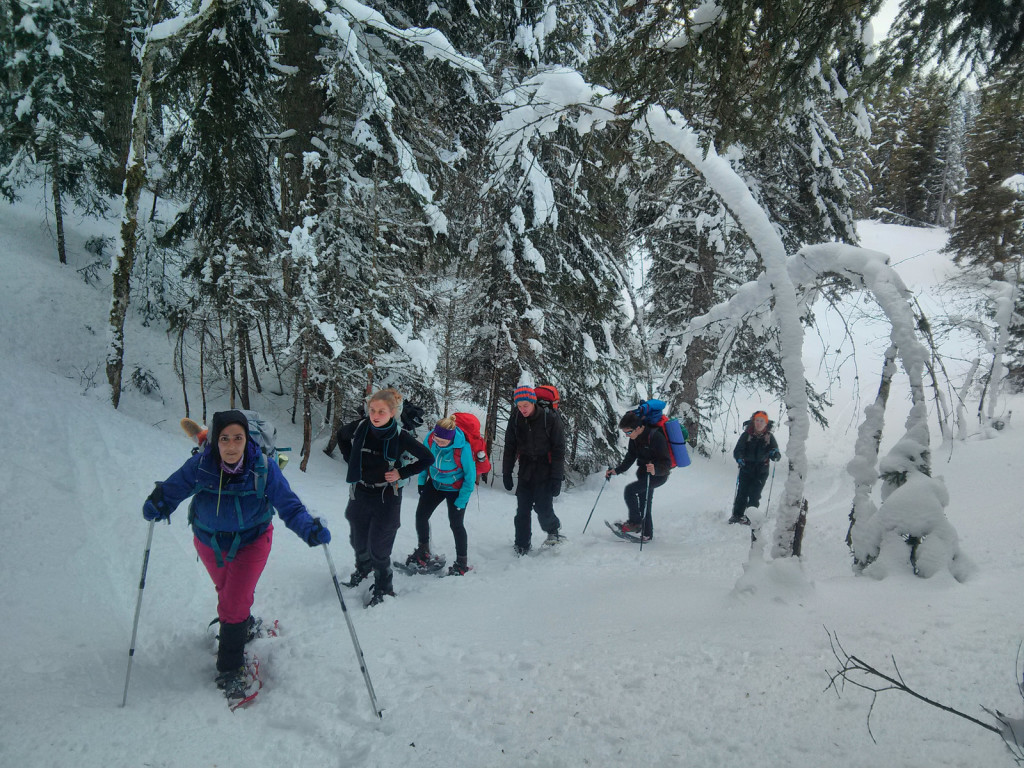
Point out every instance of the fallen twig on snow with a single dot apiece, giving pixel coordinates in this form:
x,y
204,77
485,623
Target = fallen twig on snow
x,y
858,672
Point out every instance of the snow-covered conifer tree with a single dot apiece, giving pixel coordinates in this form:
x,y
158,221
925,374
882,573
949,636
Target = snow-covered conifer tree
x,y
49,123
218,166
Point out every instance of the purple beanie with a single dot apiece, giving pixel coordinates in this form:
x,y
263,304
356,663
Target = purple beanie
x,y
444,434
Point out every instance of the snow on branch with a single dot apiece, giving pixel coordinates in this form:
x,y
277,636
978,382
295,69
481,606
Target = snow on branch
x,y
431,41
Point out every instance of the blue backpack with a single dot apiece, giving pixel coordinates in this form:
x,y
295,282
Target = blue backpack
x,y
652,413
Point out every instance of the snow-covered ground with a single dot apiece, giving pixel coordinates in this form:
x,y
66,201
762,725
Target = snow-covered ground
x,y
594,654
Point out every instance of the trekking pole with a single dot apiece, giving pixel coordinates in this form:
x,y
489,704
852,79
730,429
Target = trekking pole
x,y
595,504
355,640
647,504
770,484
138,609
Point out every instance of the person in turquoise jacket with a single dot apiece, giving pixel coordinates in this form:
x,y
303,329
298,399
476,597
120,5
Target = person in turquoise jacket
x,y
451,478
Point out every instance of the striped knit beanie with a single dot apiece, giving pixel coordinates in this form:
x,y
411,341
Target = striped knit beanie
x,y
524,393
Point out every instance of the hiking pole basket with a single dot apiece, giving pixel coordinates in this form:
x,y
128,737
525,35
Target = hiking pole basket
x,y
595,504
138,609
355,640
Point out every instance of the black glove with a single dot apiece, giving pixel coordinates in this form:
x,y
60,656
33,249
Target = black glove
x,y
155,508
555,486
774,454
506,480
317,533
422,487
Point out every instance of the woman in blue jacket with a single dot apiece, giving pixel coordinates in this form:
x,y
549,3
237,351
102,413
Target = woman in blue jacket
x,y
234,491
451,478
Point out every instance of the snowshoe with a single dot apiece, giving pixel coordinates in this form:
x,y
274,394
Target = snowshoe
x,y
240,686
625,535
520,551
553,539
432,565
740,519
459,569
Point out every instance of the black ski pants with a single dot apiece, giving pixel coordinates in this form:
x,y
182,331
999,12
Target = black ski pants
x,y
374,516
639,495
531,495
749,485
430,498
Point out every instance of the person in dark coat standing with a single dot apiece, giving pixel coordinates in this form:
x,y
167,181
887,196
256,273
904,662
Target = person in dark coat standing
x,y
535,439
373,447
234,491
755,448
648,448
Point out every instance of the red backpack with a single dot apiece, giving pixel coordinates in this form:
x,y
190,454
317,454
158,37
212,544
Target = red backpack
x,y
470,426
547,394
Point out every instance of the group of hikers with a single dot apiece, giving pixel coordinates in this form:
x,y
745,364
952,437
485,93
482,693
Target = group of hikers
x,y
235,490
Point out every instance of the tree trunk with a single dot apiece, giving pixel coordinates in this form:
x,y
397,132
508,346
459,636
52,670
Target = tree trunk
x,y
307,416
135,180
116,77
686,392
243,366
302,104
202,367
337,418
181,365
58,210
252,361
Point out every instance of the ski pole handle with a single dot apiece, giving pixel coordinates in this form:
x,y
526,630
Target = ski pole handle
x,y
138,609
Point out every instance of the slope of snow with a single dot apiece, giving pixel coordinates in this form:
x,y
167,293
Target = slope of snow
x,y
593,654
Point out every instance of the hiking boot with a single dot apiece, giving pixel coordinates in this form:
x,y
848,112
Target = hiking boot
x,y
358,577
420,557
629,527
459,569
234,683
520,551
377,595
646,539
741,519
553,538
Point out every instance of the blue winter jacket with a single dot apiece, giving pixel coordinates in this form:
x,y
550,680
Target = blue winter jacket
x,y
452,465
227,512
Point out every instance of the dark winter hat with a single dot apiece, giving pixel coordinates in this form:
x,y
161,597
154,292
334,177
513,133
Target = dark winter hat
x,y
524,393
221,419
444,434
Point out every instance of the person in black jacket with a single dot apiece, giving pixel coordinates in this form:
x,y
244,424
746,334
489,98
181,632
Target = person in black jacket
x,y
648,447
535,438
372,447
756,446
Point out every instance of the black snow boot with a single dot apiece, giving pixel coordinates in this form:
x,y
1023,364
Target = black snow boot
x,y
383,586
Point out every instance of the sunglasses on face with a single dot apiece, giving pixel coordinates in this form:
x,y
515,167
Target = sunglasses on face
x,y
629,432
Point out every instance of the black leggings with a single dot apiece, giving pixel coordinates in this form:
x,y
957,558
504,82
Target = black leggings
x,y
640,494
430,498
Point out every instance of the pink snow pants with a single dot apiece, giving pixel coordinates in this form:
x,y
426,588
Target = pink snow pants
x,y
236,581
